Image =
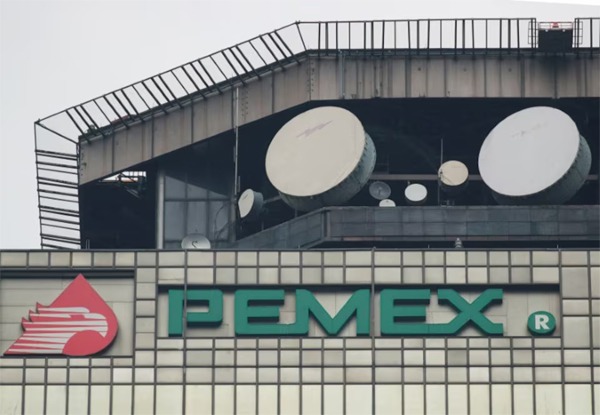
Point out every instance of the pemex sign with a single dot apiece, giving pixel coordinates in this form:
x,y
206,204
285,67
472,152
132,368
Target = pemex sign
x,y
402,312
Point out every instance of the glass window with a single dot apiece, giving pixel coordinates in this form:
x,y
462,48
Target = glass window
x,y
174,186
169,399
197,218
143,399
174,220
196,190
218,219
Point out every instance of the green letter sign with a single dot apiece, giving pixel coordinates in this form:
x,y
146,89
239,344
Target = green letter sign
x,y
359,305
213,317
265,307
403,312
392,314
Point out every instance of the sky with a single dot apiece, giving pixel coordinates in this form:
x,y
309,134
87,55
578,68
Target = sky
x,y
55,54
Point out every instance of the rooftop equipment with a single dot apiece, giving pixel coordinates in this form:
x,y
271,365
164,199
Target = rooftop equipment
x,y
250,204
453,177
415,194
319,158
535,156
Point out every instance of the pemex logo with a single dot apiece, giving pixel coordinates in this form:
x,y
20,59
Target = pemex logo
x,y
77,323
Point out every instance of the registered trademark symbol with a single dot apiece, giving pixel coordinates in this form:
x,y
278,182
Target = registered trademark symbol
x,y
541,322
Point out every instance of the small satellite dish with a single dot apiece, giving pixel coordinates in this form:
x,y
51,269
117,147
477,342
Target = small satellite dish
x,y
380,190
250,204
195,241
387,203
453,176
415,194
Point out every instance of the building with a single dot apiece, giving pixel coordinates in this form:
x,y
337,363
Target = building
x,y
453,304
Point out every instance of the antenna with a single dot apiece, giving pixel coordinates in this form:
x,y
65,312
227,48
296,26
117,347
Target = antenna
x,y
250,204
415,194
535,156
321,157
387,203
380,190
195,241
453,176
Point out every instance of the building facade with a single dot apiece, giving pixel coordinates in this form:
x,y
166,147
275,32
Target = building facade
x,y
157,292
213,369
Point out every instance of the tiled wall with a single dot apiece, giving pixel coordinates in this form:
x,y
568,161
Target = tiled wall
x,y
224,374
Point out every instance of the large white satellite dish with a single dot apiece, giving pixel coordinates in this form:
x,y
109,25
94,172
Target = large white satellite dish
x,y
321,157
535,156
195,241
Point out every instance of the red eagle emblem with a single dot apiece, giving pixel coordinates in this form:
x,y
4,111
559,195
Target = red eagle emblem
x,y
77,323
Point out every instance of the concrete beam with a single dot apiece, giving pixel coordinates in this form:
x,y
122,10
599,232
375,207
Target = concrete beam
x,y
344,77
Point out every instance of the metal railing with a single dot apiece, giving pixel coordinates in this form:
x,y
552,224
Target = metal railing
x,y
57,157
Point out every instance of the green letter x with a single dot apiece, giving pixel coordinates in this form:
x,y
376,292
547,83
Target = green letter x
x,y
469,312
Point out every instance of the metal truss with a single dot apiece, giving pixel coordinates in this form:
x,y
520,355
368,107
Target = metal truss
x,y
57,136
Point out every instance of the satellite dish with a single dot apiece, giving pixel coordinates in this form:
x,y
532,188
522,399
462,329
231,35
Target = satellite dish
x,y
535,156
380,190
195,241
250,204
387,203
321,157
415,194
453,176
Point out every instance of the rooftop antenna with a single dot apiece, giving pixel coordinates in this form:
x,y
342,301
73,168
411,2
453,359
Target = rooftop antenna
x,y
380,190
195,241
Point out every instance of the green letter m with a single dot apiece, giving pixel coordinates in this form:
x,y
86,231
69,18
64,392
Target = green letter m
x,y
359,304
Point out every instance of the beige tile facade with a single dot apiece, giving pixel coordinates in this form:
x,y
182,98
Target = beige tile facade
x,y
212,371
